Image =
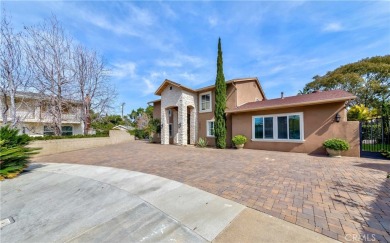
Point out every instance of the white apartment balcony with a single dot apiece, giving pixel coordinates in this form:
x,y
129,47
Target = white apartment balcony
x,y
71,118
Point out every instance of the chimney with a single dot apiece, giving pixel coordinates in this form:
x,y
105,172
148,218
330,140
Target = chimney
x,y
282,95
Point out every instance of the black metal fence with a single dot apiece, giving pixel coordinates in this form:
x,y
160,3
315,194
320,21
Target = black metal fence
x,y
374,136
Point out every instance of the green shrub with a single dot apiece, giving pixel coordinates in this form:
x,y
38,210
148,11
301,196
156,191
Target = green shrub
x,y
140,133
336,144
239,140
10,137
202,143
14,155
386,154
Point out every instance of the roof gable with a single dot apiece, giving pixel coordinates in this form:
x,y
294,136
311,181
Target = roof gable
x,y
167,83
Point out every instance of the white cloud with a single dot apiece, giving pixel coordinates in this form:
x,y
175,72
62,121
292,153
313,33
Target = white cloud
x,y
180,60
213,21
160,75
333,27
134,23
124,70
188,76
150,86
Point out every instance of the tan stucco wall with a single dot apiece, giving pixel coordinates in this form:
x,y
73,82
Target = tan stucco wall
x,y
248,92
231,96
319,125
64,145
157,110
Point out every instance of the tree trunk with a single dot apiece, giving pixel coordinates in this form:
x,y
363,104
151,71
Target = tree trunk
x,y
4,109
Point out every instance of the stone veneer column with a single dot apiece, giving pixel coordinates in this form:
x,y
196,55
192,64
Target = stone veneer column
x,y
165,126
193,130
175,128
182,119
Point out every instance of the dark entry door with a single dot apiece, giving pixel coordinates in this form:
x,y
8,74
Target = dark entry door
x,y
188,128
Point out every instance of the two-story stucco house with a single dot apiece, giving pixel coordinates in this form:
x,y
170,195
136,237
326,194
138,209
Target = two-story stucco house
x,y
35,119
297,124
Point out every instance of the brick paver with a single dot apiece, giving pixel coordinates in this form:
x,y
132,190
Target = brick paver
x,y
344,198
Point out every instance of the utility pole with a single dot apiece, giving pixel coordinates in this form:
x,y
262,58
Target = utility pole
x,y
123,104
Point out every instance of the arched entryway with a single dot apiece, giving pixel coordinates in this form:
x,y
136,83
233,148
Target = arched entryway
x,y
178,116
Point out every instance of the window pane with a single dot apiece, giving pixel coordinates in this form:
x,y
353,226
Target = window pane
x,y
170,130
205,102
282,127
259,128
210,131
268,127
293,127
48,131
207,105
67,130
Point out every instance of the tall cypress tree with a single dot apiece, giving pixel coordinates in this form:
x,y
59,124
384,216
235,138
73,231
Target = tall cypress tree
x,y
220,102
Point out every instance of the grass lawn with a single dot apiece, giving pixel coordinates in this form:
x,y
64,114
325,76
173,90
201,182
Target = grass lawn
x,y
375,147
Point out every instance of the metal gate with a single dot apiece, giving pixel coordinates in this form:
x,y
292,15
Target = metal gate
x,y
374,137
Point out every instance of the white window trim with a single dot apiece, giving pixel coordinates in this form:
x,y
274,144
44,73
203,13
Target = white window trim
x,y
211,102
207,127
275,128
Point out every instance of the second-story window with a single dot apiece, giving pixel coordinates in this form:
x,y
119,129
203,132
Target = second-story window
x,y
205,102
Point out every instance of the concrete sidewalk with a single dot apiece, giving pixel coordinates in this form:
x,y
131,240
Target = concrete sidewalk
x,y
82,203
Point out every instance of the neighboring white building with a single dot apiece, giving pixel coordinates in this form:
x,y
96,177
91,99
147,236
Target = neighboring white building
x,y
35,120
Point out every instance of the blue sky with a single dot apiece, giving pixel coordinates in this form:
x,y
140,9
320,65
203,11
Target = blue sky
x,y
283,43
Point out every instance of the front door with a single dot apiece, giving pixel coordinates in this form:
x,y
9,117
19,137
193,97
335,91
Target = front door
x,y
188,128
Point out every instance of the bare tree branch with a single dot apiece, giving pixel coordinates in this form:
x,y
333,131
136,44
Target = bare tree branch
x,y
49,52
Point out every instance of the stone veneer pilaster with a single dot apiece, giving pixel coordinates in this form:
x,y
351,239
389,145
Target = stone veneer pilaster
x,y
182,99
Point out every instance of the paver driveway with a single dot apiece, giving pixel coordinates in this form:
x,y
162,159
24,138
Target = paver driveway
x,y
344,198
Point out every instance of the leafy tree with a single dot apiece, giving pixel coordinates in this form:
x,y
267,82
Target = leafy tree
x,y
368,79
102,125
149,111
135,115
220,102
361,113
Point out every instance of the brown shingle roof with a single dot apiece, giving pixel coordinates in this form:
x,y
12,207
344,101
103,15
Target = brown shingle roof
x,y
299,100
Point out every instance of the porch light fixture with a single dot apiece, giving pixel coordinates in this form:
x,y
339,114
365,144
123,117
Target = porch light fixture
x,y
338,117
179,125
162,125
